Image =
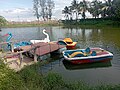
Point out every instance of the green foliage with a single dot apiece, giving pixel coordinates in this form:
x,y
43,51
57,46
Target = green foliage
x,y
53,81
30,78
77,86
9,80
97,8
2,21
94,22
107,87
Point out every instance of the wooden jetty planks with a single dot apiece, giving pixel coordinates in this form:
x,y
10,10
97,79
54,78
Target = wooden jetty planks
x,y
48,48
37,49
42,48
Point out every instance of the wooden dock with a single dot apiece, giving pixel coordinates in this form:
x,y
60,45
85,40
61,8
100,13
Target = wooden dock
x,y
38,49
42,48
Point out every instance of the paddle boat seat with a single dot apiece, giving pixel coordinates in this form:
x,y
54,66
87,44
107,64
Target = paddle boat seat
x,y
93,53
68,42
85,53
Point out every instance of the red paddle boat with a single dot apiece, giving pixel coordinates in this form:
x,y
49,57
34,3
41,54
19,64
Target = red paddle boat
x,y
88,55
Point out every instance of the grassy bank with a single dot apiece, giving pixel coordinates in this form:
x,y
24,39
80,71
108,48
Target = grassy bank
x,y
32,24
87,23
99,22
30,78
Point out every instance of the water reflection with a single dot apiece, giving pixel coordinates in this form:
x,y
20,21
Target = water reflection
x,y
70,66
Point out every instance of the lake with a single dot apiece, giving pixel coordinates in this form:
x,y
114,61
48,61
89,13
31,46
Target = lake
x,y
106,38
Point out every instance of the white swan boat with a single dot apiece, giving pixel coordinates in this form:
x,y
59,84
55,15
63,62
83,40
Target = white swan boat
x,y
44,40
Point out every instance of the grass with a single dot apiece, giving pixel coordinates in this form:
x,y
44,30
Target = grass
x,y
30,78
88,23
9,80
32,24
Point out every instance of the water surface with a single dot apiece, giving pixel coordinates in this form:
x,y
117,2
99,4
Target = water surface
x,y
106,38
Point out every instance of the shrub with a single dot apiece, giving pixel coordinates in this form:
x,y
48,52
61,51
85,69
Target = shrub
x,y
9,80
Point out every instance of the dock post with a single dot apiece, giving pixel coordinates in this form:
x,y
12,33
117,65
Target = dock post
x,y
12,48
50,47
35,55
21,59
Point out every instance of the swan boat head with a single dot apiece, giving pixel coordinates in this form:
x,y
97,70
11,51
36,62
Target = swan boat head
x,y
47,38
44,40
9,36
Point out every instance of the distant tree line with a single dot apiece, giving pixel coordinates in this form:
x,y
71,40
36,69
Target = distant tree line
x,y
98,9
43,8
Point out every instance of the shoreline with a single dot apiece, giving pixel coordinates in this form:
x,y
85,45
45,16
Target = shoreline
x,y
32,24
99,22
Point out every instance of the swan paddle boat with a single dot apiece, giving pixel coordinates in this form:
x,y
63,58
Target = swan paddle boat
x,y
16,45
88,55
44,40
68,42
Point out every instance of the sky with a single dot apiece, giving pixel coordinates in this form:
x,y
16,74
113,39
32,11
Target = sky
x,y
22,10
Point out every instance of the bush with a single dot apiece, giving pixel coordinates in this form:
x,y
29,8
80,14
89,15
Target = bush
x,y
53,81
29,78
9,80
2,21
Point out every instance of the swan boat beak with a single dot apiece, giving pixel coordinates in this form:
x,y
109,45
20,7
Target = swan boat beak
x,y
6,34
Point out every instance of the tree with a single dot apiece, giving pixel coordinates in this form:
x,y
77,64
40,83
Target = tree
x,y
3,21
50,6
95,8
66,12
83,8
108,8
70,12
36,9
116,5
43,8
74,8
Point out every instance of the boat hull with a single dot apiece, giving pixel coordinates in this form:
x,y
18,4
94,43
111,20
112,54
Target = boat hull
x,y
71,66
102,56
84,61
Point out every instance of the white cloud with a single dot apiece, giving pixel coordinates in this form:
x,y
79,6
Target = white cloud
x,y
16,14
23,14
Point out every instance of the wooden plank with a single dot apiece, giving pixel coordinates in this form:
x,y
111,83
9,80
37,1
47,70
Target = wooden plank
x,y
50,47
43,50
